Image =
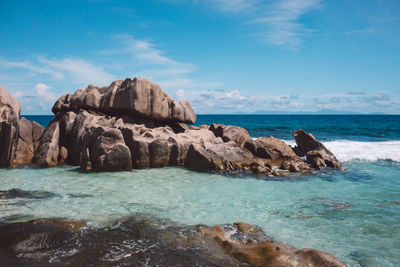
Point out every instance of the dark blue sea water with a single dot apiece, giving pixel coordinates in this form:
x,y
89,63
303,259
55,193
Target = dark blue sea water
x,y
324,127
353,214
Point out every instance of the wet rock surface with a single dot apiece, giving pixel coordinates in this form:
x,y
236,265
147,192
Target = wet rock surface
x,y
144,240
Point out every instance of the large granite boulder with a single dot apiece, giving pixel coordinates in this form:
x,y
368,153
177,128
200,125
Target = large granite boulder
x,y
104,149
316,153
47,153
10,111
25,148
231,133
135,97
18,137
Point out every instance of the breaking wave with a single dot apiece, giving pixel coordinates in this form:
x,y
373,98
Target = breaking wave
x,y
346,150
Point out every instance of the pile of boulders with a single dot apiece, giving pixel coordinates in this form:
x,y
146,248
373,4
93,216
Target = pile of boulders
x,y
134,124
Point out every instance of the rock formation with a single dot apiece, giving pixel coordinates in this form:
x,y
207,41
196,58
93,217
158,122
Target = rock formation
x,y
134,124
135,97
18,137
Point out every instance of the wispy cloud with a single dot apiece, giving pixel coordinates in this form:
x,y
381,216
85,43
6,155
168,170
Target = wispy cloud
x,y
359,31
233,5
78,70
280,23
33,67
147,53
43,91
275,21
147,60
81,71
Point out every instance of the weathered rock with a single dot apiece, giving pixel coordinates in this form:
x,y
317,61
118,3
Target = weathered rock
x,y
23,154
231,133
317,154
277,150
295,165
10,111
270,148
62,155
26,132
48,150
159,153
319,159
75,130
37,132
136,97
226,157
104,149
247,244
8,143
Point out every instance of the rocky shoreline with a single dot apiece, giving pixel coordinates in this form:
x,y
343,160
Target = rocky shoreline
x,y
133,124
143,240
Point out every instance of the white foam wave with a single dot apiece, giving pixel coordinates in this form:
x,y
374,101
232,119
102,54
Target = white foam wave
x,y
346,150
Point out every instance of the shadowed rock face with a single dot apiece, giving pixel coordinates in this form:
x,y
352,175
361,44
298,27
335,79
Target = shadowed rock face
x,y
10,110
134,97
18,137
144,240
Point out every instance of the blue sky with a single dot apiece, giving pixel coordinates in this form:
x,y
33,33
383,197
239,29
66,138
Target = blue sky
x,y
224,56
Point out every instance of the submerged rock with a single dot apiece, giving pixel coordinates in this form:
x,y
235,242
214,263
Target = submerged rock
x,y
145,240
248,244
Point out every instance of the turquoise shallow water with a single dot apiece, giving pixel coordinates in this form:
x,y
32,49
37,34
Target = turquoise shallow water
x,y
352,214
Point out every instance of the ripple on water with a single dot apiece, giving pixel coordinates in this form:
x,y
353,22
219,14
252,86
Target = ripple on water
x,y
352,214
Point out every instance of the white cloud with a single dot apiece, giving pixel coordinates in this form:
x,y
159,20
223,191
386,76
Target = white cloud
x,y
180,94
42,91
219,100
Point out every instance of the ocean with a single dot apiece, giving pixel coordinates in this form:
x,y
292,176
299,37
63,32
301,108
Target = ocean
x,y
353,214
